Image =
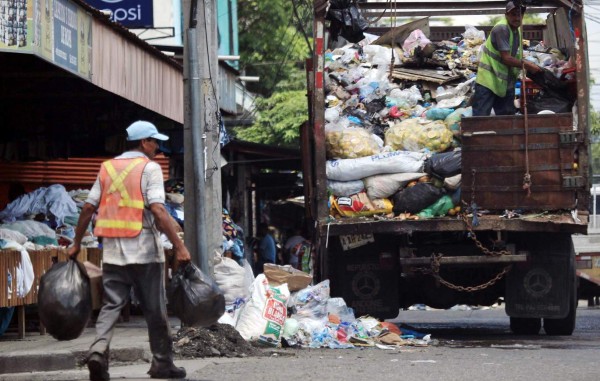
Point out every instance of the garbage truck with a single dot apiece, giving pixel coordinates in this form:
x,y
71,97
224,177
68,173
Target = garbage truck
x,y
512,189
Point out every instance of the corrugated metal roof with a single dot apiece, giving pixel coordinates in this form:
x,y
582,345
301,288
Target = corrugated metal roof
x,y
73,171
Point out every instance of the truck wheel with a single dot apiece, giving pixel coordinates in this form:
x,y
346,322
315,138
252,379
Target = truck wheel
x,y
525,326
564,326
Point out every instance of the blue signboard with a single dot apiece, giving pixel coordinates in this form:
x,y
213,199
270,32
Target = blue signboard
x,y
65,34
129,13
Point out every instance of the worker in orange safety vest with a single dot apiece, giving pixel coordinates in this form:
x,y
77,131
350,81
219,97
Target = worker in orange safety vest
x,y
129,196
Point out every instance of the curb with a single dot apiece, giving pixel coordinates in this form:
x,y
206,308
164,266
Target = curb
x,y
64,360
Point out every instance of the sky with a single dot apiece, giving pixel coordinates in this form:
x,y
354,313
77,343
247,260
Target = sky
x,y
593,26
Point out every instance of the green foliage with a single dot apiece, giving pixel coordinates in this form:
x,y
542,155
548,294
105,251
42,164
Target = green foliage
x,y
595,123
279,119
272,40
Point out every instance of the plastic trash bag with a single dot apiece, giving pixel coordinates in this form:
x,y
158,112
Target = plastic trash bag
x,y
65,300
194,297
346,20
446,164
548,100
416,198
439,208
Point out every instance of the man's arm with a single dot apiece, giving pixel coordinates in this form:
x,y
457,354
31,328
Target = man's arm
x,y
85,217
511,61
163,223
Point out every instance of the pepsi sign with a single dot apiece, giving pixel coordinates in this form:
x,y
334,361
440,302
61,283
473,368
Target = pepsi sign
x,y
129,13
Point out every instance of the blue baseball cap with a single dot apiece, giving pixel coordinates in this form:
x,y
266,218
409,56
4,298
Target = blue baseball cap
x,y
143,130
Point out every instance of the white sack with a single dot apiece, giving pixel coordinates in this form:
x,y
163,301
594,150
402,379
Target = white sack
x,y
391,162
384,186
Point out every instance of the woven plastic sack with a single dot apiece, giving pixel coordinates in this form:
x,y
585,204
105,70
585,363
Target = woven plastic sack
x,y
418,134
350,143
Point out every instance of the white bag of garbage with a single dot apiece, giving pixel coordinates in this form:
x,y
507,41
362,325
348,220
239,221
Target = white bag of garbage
x,y
231,278
391,162
263,317
384,186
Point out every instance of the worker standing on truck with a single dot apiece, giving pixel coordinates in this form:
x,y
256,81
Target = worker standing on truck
x,y
500,64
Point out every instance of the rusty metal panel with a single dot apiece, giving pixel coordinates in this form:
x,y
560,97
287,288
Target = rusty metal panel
x,y
494,162
73,171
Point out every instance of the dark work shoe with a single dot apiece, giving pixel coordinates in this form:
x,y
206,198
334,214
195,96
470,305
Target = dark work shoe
x,y
98,367
166,371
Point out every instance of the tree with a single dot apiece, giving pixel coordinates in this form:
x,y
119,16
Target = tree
x,y
273,40
278,120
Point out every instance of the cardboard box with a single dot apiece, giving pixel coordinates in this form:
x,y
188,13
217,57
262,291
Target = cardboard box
x,y
295,279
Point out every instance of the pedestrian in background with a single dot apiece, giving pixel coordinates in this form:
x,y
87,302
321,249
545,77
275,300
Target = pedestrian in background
x,y
129,197
267,250
500,64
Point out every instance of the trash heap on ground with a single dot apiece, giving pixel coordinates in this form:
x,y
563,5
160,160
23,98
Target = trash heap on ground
x,y
393,130
280,308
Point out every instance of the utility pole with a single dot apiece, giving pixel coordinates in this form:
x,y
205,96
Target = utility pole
x,y
202,153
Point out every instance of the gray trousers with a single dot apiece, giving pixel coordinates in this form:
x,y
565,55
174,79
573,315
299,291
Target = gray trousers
x,y
148,282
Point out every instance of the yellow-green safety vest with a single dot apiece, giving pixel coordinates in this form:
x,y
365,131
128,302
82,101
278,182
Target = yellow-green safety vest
x,y
492,73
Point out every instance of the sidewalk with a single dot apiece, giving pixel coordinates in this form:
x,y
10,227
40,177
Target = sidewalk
x,y
43,353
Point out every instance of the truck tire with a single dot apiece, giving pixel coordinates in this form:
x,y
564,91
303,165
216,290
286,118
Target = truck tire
x,y
566,325
525,326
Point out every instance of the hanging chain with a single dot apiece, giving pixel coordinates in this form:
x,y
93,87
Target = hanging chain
x,y
434,271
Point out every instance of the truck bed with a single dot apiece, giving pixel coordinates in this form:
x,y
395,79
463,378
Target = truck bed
x,y
534,222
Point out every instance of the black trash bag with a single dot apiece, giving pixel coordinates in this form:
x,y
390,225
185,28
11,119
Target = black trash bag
x,y
548,100
445,164
547,80
65,300
195,298
416,198
346,20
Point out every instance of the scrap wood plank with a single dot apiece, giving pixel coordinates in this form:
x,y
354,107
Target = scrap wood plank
x,y
424,75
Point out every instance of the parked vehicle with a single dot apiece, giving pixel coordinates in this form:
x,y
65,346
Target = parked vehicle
x,y
505,242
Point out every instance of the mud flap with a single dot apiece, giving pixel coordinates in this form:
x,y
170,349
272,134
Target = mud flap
x,y
540,287
367,278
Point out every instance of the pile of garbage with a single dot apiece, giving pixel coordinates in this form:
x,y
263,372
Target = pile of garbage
x,y
281,308
393,121
218,340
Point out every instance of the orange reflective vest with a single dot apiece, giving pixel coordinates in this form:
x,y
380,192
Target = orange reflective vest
x,y
122,203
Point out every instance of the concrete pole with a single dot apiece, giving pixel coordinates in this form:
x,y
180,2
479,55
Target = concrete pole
x,y
203,231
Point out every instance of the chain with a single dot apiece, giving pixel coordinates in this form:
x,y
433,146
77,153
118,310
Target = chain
x,y
435,272
483,249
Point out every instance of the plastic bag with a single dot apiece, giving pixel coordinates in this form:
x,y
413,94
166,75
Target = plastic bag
x,y
416,38
384,186
345,188
446,164
263,317
359,205
416,198
438,209
418,134
548,100
390,162
230,278
194,297
438,113
473,36
350,143
346,20
65,300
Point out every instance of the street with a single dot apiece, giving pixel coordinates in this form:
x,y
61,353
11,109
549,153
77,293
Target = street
x,y
467,344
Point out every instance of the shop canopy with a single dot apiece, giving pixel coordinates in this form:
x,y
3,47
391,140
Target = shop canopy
x,y
71,81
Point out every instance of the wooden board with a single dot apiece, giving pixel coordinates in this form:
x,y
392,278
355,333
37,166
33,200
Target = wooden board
x,y
494,162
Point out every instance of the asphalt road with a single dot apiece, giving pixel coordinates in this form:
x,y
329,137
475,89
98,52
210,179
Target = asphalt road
x,y
467,345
